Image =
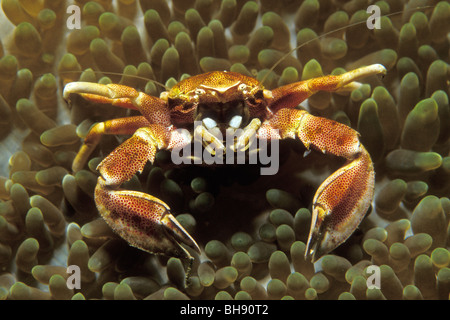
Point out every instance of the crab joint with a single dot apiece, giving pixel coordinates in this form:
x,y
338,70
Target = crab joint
x,y
237,147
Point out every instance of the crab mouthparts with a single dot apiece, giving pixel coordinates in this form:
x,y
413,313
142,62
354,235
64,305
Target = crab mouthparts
x,y
226,136
235,122
214,127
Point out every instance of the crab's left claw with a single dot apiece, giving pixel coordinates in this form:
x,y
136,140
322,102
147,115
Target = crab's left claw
x,y
343,199
339,205
143,221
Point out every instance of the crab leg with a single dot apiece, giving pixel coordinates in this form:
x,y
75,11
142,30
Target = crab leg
x,y
141,219
291,95
121,126
152,108
343,199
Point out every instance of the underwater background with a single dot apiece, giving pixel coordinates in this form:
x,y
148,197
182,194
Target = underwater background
x,y
252,229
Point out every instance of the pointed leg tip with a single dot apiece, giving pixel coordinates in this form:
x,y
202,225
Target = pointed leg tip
x,y
379,68
68,89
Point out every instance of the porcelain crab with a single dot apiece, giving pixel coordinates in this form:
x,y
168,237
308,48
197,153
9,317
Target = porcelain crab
x,y
223,100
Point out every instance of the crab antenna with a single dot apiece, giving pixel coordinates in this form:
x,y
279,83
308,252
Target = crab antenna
x,y
330,32
121,74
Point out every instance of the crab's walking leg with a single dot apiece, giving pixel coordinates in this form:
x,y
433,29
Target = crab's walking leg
x,y
153,109
291,95
141,219
343,198
121,126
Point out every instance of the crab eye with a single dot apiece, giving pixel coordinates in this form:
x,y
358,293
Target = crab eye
x,y
199,92
242,87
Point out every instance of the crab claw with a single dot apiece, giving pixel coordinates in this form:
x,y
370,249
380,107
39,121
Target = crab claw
x,y
340,205
143,221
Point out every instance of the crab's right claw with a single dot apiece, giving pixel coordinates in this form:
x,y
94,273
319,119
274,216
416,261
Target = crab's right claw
x,y
143,221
